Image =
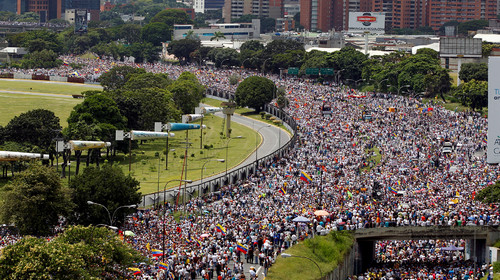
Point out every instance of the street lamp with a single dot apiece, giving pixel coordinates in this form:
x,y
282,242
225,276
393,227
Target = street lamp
x,y
400,87
379,83
285,255
337,75
227,146
256,139
203,167
165,188
264,64
355,81
164,212
111,217
222,63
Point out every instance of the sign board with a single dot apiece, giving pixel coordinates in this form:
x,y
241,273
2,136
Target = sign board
x,y
293,71
493,142
81,23
312,71
460,47
326,71
15,156
78,145
370,22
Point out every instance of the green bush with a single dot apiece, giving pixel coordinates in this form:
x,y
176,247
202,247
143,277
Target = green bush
x,y
496,267
262,115
268,116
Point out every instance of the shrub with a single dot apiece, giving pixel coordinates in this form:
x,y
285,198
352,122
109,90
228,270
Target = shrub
x,y
262,115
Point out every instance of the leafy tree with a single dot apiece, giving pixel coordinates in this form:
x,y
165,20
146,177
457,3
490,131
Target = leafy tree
x,y
41,39
131,33
118,76
186,95
282,101
40,59
473,25
255,92
144,52
34,201
156,33
171,17
490,194
108,186
147,80
474,94
429,52
312,59
473,71
349,60
251,45
487,48
218,35
438,81
201,54
183,48
224,56
267,24
36,127
78,253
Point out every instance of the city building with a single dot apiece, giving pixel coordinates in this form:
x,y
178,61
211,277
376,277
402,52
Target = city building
x,y
8,5
92,6
47,9
232,31
260,8
316,15
285,24
439,12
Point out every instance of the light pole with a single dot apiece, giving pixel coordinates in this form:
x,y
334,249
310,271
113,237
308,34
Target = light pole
x,y
227,146
285,255
222,63
264,64
203,167
355,81
400,87
379,83
337,75
165,213
111,217
256,140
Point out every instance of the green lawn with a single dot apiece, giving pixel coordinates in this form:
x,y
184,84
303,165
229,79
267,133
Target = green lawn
x,y
45,87
327,251
12,105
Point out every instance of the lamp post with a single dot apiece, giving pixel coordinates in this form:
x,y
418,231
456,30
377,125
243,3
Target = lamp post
x,y
379,83
256,139
264,64
222,63
400,87
355,81
164,212
285,255
111,217
227,146
203,167
337,75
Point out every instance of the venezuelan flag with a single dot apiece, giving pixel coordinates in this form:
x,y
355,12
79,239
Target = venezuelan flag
x,y
135,270
305,177
282,191
220,228
198,242
157,253
485,141
392,190
242,248
163,266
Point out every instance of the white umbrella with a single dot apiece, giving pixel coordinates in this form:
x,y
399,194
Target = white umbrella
x,y
128,233
301,219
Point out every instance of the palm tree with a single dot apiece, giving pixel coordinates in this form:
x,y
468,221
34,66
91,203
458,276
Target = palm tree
x,y
218,35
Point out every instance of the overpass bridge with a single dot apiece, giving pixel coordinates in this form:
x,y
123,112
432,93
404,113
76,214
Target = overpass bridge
x,y
478,239
13,28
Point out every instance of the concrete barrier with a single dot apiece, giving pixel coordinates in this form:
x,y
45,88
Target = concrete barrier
x,y
58,79
22,76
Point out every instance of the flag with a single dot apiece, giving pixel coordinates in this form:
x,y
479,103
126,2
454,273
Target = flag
x,y
282,191
188,240
198,242
171,275
323,167
485,141
148,247
305,177
242,248
163,266
157,253
220,228
135,270
65,63
392,190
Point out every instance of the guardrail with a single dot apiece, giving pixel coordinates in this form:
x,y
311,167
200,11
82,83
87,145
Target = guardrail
x,y
233,176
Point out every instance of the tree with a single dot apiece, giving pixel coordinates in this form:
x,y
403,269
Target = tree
x,y
143,52
118,76
171,17
490,194
37,127
255,92
156,33
41,39
349,60
224,56
40,59
34,201
218,35
438,81
472,25
147,80
78,253
108,186
186,95
251,45
429,52
131,33
473,71
474,94
267,24
183,48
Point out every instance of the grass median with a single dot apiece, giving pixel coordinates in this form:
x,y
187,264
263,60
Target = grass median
x,y
326,251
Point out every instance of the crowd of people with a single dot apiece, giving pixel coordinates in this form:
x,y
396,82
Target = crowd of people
x,y
385,170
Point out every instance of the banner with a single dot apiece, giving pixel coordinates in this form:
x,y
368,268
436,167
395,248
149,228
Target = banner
x,y
15,156
143,135
77,145
191,118
370,22
181,126
493,155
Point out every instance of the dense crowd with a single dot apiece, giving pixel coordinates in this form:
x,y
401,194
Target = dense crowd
x,y
385,170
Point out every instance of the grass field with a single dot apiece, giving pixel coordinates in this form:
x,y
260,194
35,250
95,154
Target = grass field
x,y
45,87
12,105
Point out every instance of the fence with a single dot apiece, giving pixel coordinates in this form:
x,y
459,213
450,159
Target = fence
x,y
241,173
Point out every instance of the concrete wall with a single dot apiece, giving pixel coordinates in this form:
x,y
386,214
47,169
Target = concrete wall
x,y
22,76
58,79
344,268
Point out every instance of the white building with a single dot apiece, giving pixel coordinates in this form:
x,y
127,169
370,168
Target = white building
x,y
232,31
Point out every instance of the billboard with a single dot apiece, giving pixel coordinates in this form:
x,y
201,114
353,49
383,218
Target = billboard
x,y
370,22
493,155
81,23
460,47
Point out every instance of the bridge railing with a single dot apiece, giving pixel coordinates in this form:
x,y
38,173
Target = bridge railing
x,y
241,173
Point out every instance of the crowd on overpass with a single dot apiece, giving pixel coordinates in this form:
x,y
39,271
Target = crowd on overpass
x,y
386,170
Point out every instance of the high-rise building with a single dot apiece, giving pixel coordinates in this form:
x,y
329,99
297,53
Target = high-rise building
x,y
92,6
47,9
439,12
261,8
316,15
8,5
